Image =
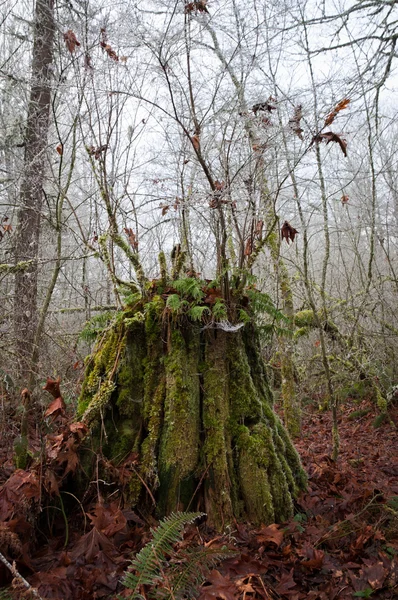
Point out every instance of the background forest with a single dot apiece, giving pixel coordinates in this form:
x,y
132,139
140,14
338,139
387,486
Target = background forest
x,y
231,146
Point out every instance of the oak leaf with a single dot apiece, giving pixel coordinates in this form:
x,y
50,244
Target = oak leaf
x,y
330,136
288,232
340,106
71,40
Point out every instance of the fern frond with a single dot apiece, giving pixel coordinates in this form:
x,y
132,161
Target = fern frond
x,y
4,594
192,568
147,564
189,286
174,302
220,310
196,312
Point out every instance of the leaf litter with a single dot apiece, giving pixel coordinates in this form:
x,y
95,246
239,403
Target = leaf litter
x,y
342,542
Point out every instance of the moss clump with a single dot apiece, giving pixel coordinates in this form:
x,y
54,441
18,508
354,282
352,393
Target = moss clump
x,y
194,405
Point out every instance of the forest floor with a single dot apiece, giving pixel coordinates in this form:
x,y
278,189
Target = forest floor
x,y
342,542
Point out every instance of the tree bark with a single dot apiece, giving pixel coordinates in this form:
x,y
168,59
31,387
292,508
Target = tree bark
x,y
31,193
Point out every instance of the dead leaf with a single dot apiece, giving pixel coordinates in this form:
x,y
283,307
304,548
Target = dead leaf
x,y
330,136
52,386
133,241
288,232
60,149
270,535
220,588
56,407
195,142
294,122
89,545
340,106
71,41
286,584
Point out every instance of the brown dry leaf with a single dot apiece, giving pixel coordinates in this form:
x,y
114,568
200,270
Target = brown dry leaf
x,y
109,50
195,142
21,486
50,482
71,41
249,247
270,534
286,584
375,574
67,454
294,122
56,407
330,136
316,562
60,149
220,588
288,232
340,106
133,241
52,386
7,228
78,428
219,185
90,545
197,6
344,199
108,519
259,229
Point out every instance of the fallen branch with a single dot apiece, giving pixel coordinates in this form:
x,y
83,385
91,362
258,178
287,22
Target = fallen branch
x,y
18,576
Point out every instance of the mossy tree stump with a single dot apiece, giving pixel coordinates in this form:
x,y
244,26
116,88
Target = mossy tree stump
x,y
192,402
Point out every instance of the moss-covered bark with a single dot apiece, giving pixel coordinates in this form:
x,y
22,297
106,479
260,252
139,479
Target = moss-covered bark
x,y
195,407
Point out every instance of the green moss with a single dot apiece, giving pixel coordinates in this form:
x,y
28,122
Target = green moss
x,y
245,402
179,444
221,495
304,318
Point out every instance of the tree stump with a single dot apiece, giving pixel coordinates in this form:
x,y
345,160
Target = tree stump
x,y
194,406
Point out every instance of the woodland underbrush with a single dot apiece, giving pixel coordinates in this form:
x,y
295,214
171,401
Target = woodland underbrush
x,y
72,541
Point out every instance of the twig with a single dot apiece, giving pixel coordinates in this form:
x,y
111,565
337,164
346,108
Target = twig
x,y
16,574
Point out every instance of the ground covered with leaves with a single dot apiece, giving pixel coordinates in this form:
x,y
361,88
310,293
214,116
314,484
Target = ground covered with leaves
x,y
342,542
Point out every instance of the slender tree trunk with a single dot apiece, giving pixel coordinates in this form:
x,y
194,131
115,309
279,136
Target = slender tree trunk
x,y
31,195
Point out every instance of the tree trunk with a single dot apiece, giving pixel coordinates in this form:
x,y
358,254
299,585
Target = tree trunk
x,y
31,194
194,406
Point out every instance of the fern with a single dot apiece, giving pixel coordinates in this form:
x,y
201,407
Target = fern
x,y
174,302
196,312
180,576
95,326
4,595
148,562
189,286
220,310
190,571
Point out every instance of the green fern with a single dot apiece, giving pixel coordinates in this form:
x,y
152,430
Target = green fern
x,y
95,326
190,570
174,302
4,594
170,574
196,312
189,287
148,562
220,310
